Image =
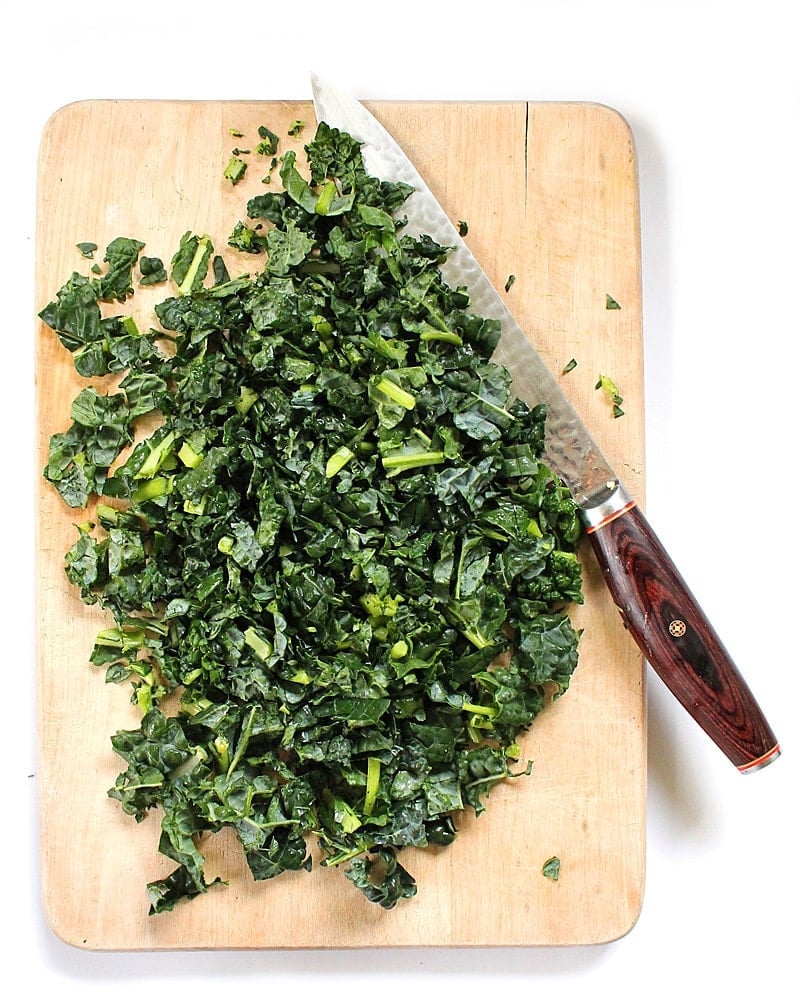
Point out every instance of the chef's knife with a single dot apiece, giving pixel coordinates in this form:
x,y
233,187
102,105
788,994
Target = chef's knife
x,y
656,605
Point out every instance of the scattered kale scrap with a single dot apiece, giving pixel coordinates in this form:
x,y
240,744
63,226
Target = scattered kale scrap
x,y
338,560
552,868
610,389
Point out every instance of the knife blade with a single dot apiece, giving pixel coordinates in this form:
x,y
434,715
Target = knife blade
x,y
655,603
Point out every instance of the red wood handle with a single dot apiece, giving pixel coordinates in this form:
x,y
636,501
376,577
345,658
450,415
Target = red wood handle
x,y
676,638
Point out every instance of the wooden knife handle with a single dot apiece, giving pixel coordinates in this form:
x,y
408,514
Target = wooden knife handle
x,y
673,633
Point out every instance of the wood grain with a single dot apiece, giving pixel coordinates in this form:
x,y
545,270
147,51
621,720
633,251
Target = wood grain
x,y
680,644
549,192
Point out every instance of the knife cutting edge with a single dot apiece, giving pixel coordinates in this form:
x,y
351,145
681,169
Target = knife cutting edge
x,y
656,605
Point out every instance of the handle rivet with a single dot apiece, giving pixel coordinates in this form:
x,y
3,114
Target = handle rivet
x,y
677,628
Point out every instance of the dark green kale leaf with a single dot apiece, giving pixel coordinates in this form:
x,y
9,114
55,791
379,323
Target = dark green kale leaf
x,y
121,255
339,552
100,345
76,318
152,270
381,878
268,142
190,262
79,459
248,239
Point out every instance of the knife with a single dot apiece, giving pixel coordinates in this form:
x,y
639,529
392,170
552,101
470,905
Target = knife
x,y
655,603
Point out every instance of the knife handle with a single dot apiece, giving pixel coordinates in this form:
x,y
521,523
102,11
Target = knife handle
x,y
673,633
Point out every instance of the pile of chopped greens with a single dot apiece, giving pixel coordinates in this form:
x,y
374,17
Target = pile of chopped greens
x,y
339,572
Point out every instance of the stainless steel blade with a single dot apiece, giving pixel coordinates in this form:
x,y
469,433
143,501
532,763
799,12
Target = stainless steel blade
x,y
570,449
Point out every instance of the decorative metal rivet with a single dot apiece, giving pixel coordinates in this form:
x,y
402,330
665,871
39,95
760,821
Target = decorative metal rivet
x,y
677,628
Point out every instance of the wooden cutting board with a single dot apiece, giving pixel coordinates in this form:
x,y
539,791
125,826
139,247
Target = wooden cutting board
x,y
549,193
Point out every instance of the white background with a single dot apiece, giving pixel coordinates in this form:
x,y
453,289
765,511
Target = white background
x,y
710,90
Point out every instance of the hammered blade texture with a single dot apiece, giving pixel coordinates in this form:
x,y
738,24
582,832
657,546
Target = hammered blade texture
x,y
569,450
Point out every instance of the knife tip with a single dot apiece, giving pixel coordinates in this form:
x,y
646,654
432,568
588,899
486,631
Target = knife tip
x,y
318,89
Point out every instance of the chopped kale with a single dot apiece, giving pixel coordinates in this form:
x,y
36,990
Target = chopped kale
x,y
121,255
610,389
551,868
152,270
248,239
235,169
190,262
338,572
268,145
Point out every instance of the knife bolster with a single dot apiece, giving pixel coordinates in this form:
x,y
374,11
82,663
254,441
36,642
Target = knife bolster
x,y
613,503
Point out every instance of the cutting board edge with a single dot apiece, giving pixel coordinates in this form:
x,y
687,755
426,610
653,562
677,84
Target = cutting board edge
x,y
618,932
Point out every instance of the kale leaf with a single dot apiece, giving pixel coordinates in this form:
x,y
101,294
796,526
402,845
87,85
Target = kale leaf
x,y
339,552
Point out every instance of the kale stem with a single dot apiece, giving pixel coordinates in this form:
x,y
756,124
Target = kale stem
x,y
500,776
156,457
480,709
475,636
406,461
373,780
244,739
338,460
326,198
434,335
396,393
188,279
343,856
495,407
